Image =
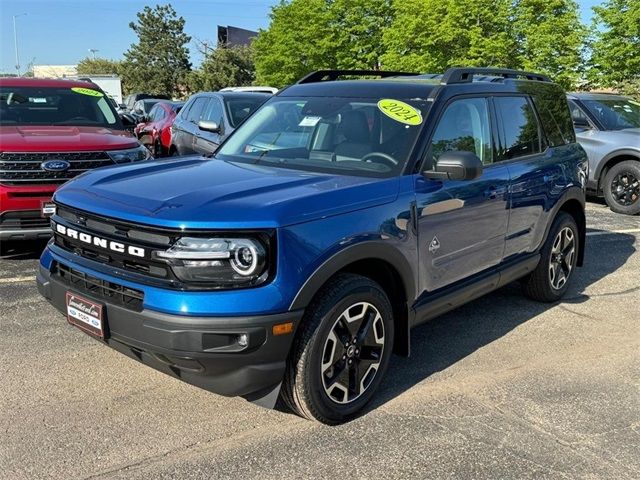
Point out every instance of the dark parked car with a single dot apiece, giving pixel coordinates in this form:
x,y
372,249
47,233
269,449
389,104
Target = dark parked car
x,y
155,130
132,98
296,268
210,117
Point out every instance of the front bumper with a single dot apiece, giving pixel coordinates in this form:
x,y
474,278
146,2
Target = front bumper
x,y
202,351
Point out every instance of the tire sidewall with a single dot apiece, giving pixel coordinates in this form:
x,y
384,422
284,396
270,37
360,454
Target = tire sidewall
x,y
325,406
633,167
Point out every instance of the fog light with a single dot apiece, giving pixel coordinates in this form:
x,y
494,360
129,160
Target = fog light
x,y
243,341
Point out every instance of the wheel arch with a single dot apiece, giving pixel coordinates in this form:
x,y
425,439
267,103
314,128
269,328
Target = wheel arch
x,y
572,202
381,263
612,159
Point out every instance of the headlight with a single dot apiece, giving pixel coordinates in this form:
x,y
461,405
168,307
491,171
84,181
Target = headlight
x,y
225,262
130,155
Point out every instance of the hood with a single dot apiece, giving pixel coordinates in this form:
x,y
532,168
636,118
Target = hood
x,y
196,192
45,138
627,138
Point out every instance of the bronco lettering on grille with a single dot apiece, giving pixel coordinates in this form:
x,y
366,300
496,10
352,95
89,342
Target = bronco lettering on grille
x,y
100,242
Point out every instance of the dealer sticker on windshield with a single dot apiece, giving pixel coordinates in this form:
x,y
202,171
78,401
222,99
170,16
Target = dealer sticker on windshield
x,y
400,111
309,121
87,91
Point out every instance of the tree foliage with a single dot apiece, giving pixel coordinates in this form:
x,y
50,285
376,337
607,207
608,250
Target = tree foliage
x,y
159,62
432,35
550,38
615,57
420,35
98,66
297,41
224,67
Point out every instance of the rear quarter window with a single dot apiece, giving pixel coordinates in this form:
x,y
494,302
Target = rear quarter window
x,y
553,110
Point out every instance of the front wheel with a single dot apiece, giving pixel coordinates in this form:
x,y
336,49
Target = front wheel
x,y
622,187
341,350
550,280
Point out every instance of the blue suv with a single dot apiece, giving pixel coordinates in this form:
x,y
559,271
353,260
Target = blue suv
x,y
337,217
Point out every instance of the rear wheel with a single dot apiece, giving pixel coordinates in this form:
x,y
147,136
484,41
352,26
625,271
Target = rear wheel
x,y
550,280
622,187
341,351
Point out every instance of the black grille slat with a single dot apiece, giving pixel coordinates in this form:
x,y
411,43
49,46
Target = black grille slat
x,y
101,289
23,219
20,168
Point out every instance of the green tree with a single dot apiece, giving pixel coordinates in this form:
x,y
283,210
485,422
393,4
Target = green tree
x,y
432,35
615,51
159,62
297,41
550,38
98,66
356,28
224,67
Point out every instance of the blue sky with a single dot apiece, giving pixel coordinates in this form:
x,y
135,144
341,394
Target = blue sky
x,y
61,32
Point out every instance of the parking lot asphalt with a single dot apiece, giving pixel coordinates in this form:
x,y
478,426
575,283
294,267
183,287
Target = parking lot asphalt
x,y
500,388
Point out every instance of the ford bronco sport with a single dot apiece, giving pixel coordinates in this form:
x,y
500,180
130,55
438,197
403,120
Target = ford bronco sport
x,y
340,215
51,131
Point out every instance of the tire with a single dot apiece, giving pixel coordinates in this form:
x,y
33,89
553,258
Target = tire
x,y
622,187
550,280
173,151
157,150
324,347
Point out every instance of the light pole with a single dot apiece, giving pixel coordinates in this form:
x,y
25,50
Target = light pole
x,y
93,52
15,40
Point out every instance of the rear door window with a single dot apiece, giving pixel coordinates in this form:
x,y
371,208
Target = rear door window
x,y
519,125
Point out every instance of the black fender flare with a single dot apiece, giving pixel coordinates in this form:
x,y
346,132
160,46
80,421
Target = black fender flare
x,y
626,152
573,193
371,249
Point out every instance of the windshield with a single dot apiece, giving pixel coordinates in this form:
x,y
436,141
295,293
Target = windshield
x,y
615,113
240,108
77,106
349,136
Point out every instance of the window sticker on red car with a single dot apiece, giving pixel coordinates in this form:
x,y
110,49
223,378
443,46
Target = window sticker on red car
x,y
400,111
87,91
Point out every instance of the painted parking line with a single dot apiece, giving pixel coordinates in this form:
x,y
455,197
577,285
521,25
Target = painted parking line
x,y
17,279
612,232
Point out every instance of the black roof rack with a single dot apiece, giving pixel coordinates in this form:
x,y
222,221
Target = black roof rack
x,y
330,75
465,75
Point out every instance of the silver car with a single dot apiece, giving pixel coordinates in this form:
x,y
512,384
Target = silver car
x,y
608,128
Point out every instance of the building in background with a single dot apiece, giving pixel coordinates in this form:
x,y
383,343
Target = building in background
x,y
54,71
234,36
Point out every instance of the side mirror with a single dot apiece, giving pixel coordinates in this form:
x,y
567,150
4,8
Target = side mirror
x,y
456,165
207,126
580,122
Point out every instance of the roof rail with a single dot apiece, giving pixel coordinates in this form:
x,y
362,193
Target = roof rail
x,y
330,75
465,75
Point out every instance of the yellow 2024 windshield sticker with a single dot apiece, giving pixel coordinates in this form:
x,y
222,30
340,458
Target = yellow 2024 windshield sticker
x,y
400,111
87,91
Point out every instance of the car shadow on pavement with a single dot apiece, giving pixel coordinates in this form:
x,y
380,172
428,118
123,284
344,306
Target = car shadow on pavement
x,y
21,249
445,340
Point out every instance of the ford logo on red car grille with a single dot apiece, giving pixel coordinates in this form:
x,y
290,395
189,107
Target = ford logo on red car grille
x,y
55,165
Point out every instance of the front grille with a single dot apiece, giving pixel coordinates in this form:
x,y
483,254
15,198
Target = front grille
x,y
23,219
25,168
110,292
151,270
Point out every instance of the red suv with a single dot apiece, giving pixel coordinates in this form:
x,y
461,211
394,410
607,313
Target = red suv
x,y
50,132
155,130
